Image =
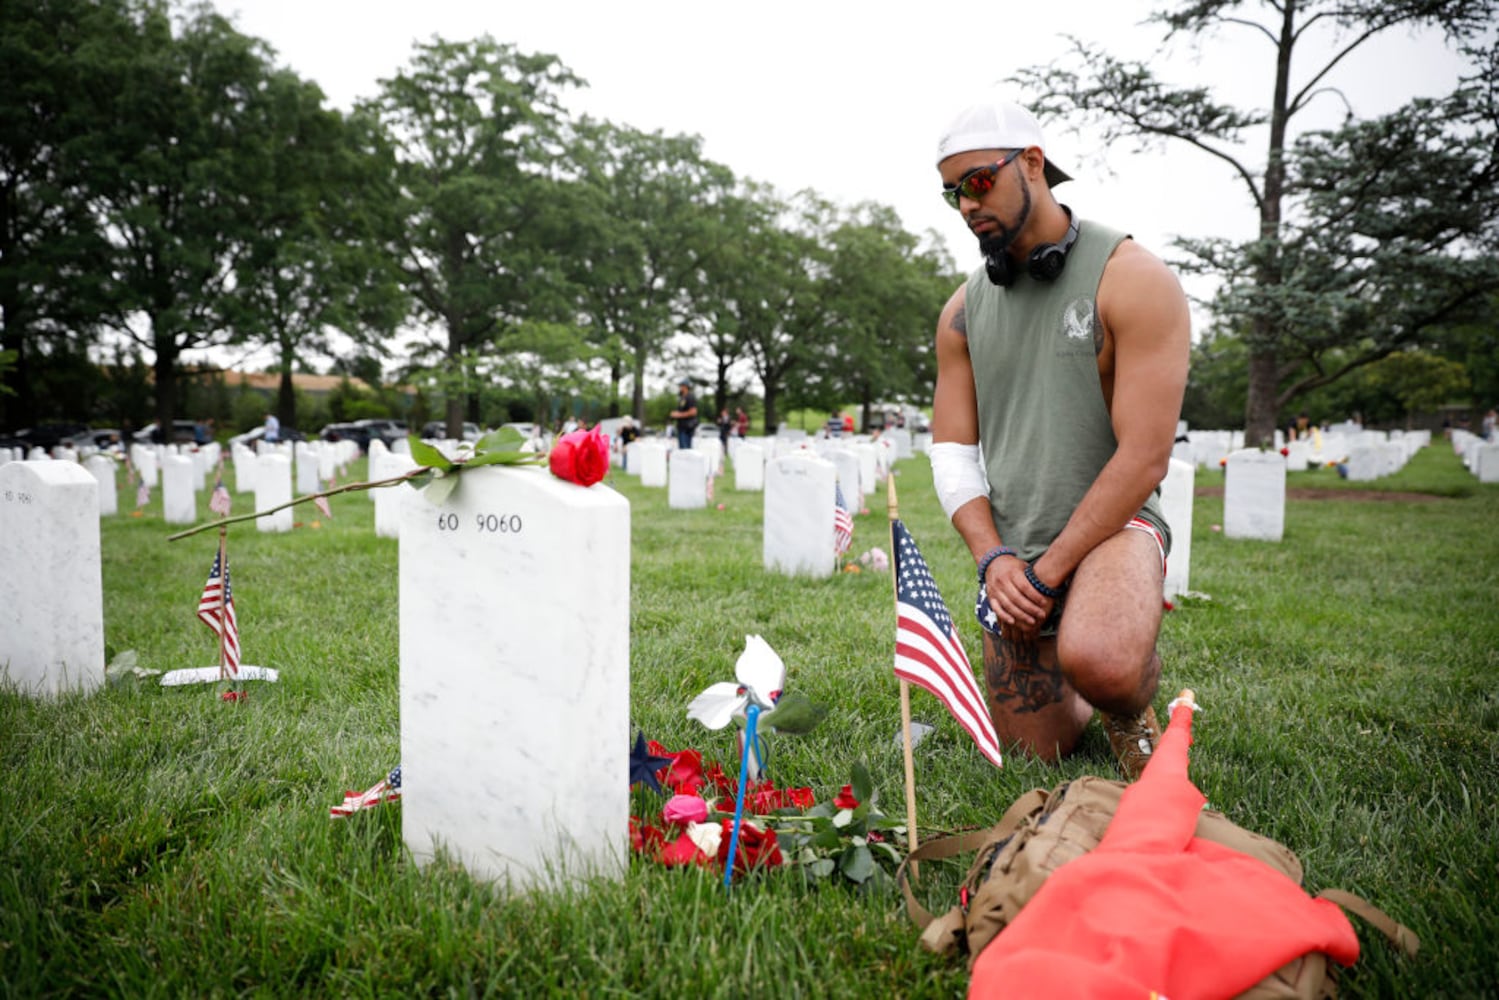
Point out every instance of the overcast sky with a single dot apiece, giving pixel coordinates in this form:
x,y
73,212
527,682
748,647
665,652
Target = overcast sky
x,y
848,99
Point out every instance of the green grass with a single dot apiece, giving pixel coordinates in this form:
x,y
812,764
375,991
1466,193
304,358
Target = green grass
x,y
160,842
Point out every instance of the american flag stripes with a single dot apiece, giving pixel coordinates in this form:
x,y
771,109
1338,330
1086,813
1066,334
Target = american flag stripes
x,y
142,493
388,790
928,651
321,502
843,521
218,501
216,610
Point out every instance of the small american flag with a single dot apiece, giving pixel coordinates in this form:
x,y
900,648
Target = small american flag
x,y
216,610
142,493
321,503
928,651
843,521
218,501
385,791
709,488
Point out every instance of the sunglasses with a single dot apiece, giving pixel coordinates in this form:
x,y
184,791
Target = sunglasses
x,y
977,182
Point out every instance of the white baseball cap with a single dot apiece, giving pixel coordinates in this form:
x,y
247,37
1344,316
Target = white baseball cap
x,y
995,123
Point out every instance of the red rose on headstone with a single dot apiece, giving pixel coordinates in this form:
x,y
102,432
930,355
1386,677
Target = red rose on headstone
x,y
581,457
845,799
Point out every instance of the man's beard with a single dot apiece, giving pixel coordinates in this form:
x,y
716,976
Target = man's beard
x,y
994,243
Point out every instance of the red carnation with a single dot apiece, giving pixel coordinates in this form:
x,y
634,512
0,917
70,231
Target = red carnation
x,y
756,847
845,799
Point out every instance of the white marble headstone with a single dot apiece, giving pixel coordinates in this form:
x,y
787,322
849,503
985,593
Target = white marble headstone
x,y
1298,455
849,476
179,504
652,464
687,479
1365,463
1487,462
515,676
869,466
389,499
51,589
799,493
245,464
1254,495
749,467
103,471
1176,505
306,469
273,488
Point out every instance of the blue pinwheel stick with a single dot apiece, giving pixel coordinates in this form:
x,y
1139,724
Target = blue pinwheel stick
x,y
751,716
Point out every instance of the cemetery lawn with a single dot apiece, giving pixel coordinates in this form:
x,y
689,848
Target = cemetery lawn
x,y
160,842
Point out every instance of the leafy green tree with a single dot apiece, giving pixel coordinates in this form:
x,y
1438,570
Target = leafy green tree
x,y
312,265
1129,102
884,289
58,68
172,182
474,218
650,220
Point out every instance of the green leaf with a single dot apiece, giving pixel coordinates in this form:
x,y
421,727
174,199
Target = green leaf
x,y
502,458
794,713
506,439
424,454
440,489
856,864
419,482
827,838
863,786
821,868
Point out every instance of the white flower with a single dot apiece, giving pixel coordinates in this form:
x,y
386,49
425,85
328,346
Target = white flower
x,y
706,837
761,676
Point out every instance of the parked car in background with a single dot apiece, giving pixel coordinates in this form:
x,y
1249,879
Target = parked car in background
x,y
103,438
253,436
347,431
386,429
438,429
49,434
183,432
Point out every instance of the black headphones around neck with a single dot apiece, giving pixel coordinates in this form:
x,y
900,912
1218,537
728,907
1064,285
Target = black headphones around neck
x,y
1044,263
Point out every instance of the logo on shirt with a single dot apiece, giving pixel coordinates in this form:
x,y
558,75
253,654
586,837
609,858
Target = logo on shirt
x,y
1077,320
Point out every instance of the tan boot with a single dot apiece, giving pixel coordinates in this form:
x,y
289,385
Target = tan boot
x,y
1133,740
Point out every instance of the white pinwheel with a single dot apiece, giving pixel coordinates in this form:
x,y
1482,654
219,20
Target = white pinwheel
x,y
761,676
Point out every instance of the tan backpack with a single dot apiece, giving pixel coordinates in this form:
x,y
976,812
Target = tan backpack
x,y
1044,830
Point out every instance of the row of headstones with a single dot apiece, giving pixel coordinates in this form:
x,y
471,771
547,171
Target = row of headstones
x,y
501,664
1364,454
1479,456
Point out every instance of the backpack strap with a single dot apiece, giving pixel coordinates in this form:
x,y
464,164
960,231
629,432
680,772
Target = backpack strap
x,y
947,847
1400,936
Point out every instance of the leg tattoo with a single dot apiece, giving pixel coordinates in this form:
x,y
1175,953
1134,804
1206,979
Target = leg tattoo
x,y
1018,677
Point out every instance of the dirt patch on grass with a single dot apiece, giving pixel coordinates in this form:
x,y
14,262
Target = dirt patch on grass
x,y
1313,493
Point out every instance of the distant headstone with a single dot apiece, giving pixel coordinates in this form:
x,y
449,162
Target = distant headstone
x,y
514,691
901,438
846,462
799,493
1176,505
749,467
244,462
389,499
273,488
1487,462
1298,455
103,471
869,466
1365,462
179,505
51,589
306,468
687,479
652,464
1254,495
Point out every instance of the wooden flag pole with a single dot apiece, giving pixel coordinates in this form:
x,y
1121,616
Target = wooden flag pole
x,y
893,509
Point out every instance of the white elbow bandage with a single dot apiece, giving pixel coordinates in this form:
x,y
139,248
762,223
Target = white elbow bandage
x,y
956,474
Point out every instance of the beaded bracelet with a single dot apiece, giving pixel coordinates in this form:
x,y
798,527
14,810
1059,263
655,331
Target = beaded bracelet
x,y
1041,588
993,554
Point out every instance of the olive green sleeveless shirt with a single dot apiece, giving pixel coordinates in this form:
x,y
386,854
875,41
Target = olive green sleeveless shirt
x,y
1043,427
